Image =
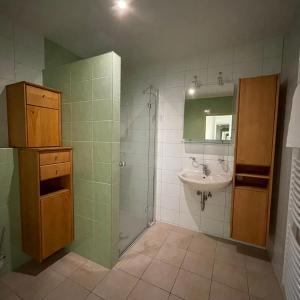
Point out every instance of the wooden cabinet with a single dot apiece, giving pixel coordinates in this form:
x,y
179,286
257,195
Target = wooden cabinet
x,y
45,168
254,158
46,200
256,116
56,221
250,215
34,116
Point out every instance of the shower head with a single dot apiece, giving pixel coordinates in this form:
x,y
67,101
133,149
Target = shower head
x,y
151,90
148,88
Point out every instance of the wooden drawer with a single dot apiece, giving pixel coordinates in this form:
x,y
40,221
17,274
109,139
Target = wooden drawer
x,y
54,170
40,97
56,221
54,157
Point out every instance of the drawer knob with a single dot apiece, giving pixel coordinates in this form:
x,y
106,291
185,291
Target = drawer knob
x,y
56,172
43,96
55,157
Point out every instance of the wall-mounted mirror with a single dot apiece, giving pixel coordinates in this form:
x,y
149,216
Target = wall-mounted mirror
x,y
208,113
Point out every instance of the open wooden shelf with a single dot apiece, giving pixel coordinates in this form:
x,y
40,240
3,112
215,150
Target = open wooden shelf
x,y
251,188
253,170
253,175
57,192
54,184
252,181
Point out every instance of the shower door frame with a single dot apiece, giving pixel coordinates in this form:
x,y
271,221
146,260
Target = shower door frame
x,y
150,218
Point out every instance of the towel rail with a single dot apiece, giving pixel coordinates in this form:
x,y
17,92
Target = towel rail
x,y
291,270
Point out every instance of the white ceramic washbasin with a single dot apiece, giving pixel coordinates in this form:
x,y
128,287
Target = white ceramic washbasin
x,y
198,181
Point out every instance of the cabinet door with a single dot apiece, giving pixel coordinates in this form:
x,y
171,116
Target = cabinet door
x,y
250,216
57,222
43,127
256,118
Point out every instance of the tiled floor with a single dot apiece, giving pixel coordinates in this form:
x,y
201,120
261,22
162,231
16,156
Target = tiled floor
x,y
167,262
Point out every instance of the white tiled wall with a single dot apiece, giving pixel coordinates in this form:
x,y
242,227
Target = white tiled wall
x,y
21,58
175,203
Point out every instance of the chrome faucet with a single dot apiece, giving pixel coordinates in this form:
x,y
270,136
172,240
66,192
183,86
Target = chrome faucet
x,y
223,164
196,164
205,169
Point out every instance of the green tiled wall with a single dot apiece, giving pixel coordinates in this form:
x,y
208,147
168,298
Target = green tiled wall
x,y
10,210
91,125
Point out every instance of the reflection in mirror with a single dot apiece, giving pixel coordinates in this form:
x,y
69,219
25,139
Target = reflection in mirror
x,y
208,114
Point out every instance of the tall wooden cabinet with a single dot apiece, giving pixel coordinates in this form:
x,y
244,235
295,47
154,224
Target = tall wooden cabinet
x,y
34,115
45,168
46,200
254,158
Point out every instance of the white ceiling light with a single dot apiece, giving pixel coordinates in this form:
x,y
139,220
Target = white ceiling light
x,y
191,91
122,5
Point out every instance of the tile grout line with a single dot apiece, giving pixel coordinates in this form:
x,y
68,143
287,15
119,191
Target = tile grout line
x,y
178,272
246,271
212,274
140,278
152,258
66,277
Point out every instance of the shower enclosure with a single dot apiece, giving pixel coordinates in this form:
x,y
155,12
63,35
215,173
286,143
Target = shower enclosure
x,y
138,132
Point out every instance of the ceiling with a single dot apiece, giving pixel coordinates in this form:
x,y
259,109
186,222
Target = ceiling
x,y
156,30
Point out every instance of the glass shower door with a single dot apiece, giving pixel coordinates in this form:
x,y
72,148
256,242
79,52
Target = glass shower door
x,y
138,119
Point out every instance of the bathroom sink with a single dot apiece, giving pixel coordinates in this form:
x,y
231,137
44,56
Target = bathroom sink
x,y
198,181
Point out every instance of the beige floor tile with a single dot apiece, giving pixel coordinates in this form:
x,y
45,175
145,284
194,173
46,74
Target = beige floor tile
x,y
223,292
171,255
227,253
190,286
158,237
11,296
68,264
6,292
164,226
32,287
147,246
184,231
146,291
134,263
4,289
202,244
258,265
68,290
40,286
89,275
161,274
230,275
179,240
200,264
173,297
15,279
264,285
116,285
92,296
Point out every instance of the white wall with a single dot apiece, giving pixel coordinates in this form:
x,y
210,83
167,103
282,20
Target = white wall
x,y
289,80
21,58
174,203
